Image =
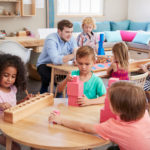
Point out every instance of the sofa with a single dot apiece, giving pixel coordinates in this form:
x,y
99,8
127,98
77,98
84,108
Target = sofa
x,y
135,34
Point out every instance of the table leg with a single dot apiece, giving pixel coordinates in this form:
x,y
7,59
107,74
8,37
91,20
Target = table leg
x,y
52,81
8,143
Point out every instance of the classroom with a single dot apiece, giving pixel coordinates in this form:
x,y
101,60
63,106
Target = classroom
x,y
74,74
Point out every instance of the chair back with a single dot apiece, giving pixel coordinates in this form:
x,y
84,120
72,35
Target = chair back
x,y
14,48
139,79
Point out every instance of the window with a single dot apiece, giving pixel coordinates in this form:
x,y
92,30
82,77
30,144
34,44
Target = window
x,y
80,7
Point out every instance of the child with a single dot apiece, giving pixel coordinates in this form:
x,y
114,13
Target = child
x,y
120,64
131,129
146,68
87,37
94,89
12,78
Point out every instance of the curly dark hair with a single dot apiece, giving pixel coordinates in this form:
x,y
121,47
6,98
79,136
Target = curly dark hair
x,y
7,60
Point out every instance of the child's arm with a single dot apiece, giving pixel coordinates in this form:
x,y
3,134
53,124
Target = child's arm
x,y
76,125
84,101
112,67
4,106
63,84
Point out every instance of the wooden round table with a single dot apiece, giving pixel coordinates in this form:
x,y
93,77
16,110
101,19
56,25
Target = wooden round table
x,y
35,131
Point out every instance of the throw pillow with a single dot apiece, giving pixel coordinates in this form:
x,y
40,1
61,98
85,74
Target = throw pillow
x,y
77,27
127,36
113,36
137,26
122,25
102,26
142,38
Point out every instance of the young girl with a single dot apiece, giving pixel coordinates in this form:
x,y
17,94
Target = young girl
x,y
131,130
94,89
146,68
87,37
120,64
12,78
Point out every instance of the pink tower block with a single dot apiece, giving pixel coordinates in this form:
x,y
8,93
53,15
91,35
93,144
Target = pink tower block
x,y
74,91
106,113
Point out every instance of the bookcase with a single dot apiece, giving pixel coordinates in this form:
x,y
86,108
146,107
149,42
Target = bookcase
x,y
28,9
10,8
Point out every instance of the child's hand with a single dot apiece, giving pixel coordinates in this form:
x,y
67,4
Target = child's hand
x,y
4,106
54,118
144,68
84,101
26,98
69,77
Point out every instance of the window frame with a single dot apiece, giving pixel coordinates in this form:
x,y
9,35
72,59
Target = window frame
x,y
80,15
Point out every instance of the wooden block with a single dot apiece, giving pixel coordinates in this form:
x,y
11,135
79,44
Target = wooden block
x,y
74,90
22,33
28,107
106,113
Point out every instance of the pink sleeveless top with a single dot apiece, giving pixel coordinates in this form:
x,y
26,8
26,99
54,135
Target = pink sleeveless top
x,y
120,73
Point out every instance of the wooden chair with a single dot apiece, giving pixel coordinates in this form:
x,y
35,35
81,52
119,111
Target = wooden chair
x,y
139,79
59,75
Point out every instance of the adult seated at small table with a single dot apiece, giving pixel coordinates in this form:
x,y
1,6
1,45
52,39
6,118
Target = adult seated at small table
x,y
59,48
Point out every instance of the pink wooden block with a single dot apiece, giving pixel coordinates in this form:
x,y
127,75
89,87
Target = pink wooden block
x,y
72,101
74,90
106,113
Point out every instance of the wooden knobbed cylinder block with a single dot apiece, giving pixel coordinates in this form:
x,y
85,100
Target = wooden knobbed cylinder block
x,y
28,107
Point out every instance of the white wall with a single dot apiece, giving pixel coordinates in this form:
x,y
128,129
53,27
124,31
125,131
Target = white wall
x,y
114,10
139,10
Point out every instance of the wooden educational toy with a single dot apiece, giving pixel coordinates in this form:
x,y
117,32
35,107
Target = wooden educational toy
x,y
28,107
106,113
103,59
74,91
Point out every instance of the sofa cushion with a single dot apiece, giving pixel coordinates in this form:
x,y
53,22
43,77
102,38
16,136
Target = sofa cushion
x,y
102,26
127,36
142,38
121,25
148,27
77,27
113,36
138,25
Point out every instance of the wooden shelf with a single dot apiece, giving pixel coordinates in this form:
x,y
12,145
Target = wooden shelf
x,y
10,8
28,9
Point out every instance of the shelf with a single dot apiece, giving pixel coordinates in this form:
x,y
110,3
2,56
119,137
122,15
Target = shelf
x,y
10,8
28,9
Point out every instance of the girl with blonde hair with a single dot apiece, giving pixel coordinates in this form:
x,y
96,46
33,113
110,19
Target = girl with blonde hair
x,y
87,37
120,64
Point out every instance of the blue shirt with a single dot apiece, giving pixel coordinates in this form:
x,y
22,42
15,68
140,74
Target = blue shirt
x,y
55,49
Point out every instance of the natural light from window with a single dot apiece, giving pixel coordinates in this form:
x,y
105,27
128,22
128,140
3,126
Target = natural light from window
x,y
80,7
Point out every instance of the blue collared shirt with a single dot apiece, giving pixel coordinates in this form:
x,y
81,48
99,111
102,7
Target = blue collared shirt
x,y
55,49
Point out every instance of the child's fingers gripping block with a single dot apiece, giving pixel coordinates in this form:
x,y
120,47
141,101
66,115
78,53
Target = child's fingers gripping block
x,y
57,112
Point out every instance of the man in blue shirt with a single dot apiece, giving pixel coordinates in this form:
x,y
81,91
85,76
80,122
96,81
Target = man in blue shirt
x,y
59,48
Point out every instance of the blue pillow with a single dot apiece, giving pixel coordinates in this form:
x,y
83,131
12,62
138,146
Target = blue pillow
x,y
77,27
122,25
102,26
138,25
142,38
148,27
113,36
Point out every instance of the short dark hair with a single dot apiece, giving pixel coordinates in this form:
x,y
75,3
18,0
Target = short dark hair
x,y
128,100
64,23
85,51
7,60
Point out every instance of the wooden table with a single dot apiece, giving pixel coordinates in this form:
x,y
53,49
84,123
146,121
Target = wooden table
x,y
26,41
64,69
35,131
